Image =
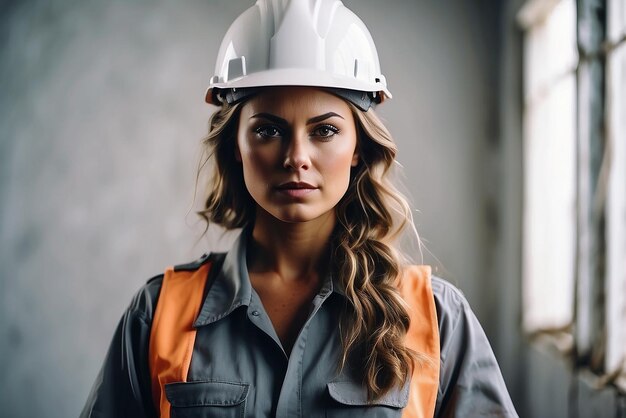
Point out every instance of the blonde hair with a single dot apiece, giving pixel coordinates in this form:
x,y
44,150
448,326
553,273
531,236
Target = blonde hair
x,y
371,216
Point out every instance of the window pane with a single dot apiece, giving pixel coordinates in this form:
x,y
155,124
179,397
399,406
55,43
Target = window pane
x,y
616,19
550,207
550,50
616,209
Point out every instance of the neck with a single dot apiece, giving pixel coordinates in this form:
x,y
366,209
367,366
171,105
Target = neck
x,y
293,251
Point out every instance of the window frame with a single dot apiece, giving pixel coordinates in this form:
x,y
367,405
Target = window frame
x,y
597,335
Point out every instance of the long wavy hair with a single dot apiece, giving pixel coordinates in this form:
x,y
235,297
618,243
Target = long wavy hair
x,y
371,216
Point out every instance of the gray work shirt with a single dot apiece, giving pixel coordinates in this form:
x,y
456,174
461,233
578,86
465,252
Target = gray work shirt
x,y
239,368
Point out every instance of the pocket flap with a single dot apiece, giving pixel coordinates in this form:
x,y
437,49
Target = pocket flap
x,y
212,393
350,393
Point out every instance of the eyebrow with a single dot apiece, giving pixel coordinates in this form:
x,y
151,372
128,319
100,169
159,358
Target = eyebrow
x,y
322,117
282,121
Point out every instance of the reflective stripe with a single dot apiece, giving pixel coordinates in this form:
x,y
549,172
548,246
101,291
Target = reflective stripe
x,y
173,336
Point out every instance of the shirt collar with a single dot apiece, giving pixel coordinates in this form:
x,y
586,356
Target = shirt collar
x,y
231,287
335,287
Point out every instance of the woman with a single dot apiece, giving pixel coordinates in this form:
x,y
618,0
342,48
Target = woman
x,y
313,312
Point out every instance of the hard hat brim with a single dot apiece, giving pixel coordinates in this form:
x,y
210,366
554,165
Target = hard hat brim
x,y
298,77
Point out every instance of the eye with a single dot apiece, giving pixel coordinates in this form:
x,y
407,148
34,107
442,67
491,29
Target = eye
x,y
325,131
268,131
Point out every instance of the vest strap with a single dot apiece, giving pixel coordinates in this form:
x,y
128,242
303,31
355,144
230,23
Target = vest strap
x,y
172,335
423,338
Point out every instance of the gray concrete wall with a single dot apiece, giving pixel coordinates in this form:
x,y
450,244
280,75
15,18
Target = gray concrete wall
x,y
102,113
503,177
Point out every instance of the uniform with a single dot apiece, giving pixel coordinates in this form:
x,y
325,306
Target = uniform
x,y
238,367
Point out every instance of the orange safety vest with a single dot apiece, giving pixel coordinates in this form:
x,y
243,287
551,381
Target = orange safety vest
x,y
173,336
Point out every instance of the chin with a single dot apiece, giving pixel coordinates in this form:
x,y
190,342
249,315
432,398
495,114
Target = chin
x,y
296,216
296,213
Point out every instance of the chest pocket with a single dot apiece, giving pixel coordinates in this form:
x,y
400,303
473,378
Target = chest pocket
x,y
207,399
348,399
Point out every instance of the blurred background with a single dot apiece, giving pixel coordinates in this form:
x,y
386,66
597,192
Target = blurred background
x,y
102,113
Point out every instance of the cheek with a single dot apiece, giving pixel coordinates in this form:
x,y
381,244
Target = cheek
x,y
251,159
339,165
345,155
258,160
258,168
337,169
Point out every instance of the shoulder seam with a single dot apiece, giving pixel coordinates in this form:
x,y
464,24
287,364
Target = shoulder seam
x,y
461,305
449,287
194,265
155,277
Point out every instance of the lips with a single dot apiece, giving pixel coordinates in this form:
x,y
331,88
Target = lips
x,y
295,185
296,188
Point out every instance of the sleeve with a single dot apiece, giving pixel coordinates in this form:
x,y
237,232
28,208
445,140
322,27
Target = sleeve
x,y
470,381
122,388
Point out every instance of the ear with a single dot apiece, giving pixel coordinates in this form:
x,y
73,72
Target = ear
x,y
355,158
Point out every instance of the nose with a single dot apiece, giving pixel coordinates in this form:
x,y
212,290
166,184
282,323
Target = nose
x,y
296,153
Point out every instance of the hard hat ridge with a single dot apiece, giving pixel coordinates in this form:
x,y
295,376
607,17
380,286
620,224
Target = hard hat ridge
x,y
308,51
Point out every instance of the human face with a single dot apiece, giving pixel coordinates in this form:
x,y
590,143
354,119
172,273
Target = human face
x,y
297,146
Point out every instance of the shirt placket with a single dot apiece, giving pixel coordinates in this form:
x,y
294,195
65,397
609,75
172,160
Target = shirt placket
x,y
290,399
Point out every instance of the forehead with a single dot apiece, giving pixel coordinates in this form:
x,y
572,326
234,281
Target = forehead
x,y
294,101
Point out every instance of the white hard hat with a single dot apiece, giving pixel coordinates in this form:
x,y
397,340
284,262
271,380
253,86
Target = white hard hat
x,y
298,43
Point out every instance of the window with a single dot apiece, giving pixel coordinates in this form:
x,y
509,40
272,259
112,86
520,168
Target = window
x,y
550,168
616,189
574,260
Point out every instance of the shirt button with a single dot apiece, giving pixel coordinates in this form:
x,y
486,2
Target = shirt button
x,y
255,313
